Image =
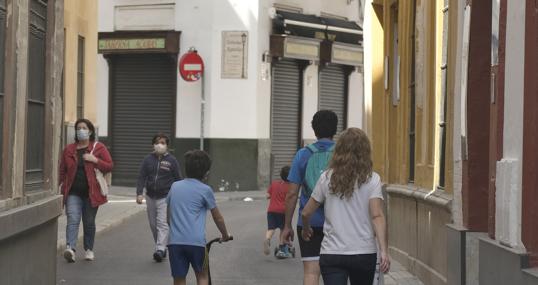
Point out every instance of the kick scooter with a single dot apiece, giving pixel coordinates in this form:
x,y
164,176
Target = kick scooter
x,y
208,247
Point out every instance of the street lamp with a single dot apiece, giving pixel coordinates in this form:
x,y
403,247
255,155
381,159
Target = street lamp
x,y
243,40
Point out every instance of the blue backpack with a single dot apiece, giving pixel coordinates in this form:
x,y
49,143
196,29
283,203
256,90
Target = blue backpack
x,y
315,166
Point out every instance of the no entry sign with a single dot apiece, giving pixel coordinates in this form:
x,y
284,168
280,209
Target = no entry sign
x,y
191,66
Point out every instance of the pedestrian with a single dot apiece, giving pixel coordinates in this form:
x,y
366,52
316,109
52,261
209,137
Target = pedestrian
x,y
80,188
158,171
308,164
188,203
350,193
276,212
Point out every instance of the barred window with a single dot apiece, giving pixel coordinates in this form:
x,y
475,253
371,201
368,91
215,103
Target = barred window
x,y
35,129
442,123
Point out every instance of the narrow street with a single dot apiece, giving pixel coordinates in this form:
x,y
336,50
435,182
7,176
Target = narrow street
x,y
124,254
102,101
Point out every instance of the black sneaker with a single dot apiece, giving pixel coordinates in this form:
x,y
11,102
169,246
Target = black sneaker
x,y
158,256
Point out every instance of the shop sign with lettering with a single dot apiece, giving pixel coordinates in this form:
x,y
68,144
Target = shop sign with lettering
x,y
349,55
132,44
308,50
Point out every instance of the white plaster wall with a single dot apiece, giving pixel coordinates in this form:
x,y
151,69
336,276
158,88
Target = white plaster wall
x,y
231,104
105,23
355,108
195,21
102,96
234,108
310,100
106,16
509,169
155,17
368,68
264,84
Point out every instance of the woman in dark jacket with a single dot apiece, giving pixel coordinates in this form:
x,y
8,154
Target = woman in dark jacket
x,y
79,186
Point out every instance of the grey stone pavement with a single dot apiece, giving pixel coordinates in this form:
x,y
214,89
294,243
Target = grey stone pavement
x,y
122,207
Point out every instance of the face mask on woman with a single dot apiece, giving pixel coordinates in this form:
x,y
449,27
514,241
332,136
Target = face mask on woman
x,y
160,148
83,135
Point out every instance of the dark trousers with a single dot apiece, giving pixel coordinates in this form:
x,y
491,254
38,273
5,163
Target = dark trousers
x,y
338,269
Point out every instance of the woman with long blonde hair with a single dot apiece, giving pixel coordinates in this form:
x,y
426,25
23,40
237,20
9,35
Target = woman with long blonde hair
x,y
350,192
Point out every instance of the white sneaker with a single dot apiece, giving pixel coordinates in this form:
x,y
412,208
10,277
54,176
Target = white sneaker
x,y
69,255
89,255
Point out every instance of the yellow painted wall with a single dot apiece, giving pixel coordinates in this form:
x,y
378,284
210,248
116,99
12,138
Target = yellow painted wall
x,y
378,125
390,122
426,93
80,19
438,40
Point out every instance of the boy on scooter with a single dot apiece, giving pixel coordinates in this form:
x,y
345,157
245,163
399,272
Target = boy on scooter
x,y
188,202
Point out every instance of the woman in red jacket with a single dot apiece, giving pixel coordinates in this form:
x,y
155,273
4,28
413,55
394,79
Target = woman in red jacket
x,y
79,186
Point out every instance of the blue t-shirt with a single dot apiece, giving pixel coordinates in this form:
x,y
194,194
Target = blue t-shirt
x,y
297,176
188,202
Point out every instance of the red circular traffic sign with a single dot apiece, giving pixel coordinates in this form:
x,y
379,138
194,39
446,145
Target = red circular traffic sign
x,y
191,66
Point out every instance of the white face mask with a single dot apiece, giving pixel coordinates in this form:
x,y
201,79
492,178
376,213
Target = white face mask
x,y
160,148
83,134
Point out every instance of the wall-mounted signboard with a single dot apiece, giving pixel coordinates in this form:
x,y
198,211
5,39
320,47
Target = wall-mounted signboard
x,y
347,54
234,55
295,47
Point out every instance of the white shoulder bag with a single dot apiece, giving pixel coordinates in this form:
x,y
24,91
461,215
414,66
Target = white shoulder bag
x,y
102,179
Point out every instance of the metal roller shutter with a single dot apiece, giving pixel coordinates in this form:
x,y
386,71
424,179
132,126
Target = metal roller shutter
x,y
285,113
333,92
143,103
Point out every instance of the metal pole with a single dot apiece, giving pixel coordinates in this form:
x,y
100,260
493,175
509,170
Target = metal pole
x,y
202,106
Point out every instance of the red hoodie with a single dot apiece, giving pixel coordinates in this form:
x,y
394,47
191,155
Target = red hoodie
x,y
68,170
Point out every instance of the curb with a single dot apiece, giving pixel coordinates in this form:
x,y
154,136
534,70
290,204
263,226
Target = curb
x,y
255,195
255,198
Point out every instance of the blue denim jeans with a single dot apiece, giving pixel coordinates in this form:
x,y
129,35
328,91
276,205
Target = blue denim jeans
x,y
77,208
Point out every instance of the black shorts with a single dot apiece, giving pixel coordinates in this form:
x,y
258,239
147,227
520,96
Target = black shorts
x,y
310,249
337,269
275,221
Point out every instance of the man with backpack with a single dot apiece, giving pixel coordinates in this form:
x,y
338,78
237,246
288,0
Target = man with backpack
x,y
307,166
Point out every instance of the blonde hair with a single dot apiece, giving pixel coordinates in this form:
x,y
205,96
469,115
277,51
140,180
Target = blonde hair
x,y
351,163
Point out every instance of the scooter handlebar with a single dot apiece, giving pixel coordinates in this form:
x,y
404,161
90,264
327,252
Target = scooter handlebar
x,y
218,240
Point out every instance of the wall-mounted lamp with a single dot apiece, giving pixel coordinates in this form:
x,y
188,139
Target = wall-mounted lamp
x,y
265,66
266,57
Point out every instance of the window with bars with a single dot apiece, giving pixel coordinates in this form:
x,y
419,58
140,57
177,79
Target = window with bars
x,y
412,105
80,78
395,90
35,128
443,107
2,44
